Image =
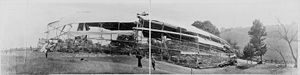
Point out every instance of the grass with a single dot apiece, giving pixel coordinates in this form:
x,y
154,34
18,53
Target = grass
x,y
36,63
64,63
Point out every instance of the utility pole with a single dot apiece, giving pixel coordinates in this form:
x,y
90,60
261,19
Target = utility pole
x,y
150,37
110,45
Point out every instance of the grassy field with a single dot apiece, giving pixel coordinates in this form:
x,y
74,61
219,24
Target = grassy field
x,y
36,63
30,62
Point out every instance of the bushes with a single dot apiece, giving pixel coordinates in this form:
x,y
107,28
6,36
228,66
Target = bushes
x,y
79,44
197,61
187,60
123,45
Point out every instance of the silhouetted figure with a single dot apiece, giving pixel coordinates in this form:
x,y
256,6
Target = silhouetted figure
x,y
153,63
47,50
49,47
139,57
260,62
82,59
46,53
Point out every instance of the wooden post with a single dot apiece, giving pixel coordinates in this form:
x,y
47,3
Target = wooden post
x,y
48,32
165,45
180,34
198,51
191,70
25,53
162,44
210,45
141,41
118,25
180,41
150,54
135,41
83,28
161,48
110,44
137,38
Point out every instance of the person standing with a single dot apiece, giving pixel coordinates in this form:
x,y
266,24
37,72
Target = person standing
x,y
139,57
153,63
46,54
49,47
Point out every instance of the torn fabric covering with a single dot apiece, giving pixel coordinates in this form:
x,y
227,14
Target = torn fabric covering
x,y
98,33
43,49
54,23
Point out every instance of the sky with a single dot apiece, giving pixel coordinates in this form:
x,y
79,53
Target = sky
x,y
22,22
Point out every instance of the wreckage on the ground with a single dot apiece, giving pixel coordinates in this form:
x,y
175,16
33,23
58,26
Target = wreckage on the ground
x,y
103,32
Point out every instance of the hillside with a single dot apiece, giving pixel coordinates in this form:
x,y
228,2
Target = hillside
x,y
240,35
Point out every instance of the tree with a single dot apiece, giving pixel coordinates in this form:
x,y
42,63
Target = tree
x,y
207,26
279,52
233,44
257,33
248,52
289,37
234,47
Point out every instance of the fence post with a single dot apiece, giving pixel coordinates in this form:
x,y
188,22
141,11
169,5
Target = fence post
x,y
191,70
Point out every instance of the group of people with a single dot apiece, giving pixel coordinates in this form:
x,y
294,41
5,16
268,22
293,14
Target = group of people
x,y
139,57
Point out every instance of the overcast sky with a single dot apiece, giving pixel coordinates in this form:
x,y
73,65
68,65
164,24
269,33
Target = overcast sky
x,y
22,22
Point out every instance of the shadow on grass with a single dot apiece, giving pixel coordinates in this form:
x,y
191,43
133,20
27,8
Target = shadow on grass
x,y
73,60
115,59
243,67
